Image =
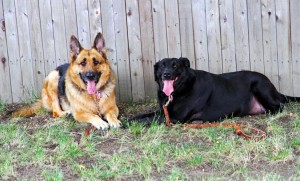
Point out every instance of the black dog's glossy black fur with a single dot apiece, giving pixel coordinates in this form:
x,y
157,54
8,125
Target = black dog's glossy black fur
x,y
200,95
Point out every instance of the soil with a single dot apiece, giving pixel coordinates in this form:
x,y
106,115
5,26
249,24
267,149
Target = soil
x,y
109,145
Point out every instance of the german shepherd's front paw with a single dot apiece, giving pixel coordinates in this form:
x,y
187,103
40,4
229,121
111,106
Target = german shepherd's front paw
x,y
99,123
115,123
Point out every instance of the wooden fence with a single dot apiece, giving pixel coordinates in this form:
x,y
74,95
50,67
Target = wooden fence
x,y
216,35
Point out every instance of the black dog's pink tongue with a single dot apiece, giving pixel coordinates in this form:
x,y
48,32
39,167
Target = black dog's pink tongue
x,y
91,87
168,87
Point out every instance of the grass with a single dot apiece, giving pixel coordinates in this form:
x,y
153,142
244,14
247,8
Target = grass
x,y
2,106
42,148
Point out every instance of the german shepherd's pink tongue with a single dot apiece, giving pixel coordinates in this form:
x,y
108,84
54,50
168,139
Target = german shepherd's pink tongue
x,y
168,87
91,87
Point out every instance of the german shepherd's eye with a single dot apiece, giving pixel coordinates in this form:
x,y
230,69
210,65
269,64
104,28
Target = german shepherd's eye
x,y
83,63
95,61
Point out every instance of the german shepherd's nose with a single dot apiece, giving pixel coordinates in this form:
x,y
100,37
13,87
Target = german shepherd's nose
x,y
90,75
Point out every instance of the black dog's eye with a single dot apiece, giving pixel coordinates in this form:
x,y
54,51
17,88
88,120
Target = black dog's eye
x,y
174,65
95,61
83,63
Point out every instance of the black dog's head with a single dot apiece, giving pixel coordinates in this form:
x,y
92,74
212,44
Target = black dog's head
x,y
169,71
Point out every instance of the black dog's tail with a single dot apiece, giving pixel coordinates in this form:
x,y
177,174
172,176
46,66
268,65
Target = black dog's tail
x,y
287,99
144,115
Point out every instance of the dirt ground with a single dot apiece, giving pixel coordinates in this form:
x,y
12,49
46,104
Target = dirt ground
x,y
285,170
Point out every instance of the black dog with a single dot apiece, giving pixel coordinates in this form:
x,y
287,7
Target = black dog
x,y
199,95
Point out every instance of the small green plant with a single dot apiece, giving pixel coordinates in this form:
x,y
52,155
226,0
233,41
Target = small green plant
x,y
53,175
2,106
176,174
136,128
195,160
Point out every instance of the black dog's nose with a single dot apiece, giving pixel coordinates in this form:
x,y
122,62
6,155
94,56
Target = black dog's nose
x,y
90,75
167,75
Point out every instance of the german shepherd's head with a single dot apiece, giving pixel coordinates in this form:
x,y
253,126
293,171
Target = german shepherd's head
x,y
89,68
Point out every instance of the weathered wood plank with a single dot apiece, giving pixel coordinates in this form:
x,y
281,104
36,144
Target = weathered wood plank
x,y
135,50
109,36
36,44
213,36
24,48
13,50
186,30
200,34
295,34
172,22
94,18
59,32
70,22
47,36
122,50
284,47
83,26
147,37
270,41
227,35
241,34
5,88
159,29
255,36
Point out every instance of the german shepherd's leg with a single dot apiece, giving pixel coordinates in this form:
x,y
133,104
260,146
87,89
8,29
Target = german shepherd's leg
x,y
94,119
50,94
111,117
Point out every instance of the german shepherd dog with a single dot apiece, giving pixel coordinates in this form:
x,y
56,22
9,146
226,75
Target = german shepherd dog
x,y
85,88
200,95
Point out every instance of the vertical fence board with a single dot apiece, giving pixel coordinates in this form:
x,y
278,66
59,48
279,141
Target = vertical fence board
x,y
269,41
241,34
135,50
186,30
109,36
172,22
95,18
5,88
227,35
213,36
13,50
284,47
200,38
159,29
24,47
122,50
47,36
295,34
59,32
36,44
83,25
147,47
70,22
255,36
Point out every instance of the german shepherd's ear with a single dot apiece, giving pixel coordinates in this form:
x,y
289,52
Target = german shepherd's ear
x,y
99,44
75,47
185,61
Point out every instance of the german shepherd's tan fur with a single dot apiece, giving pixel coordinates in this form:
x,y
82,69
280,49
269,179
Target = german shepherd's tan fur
x,y
89,86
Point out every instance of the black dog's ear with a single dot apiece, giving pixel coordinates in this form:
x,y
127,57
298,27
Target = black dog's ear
x,y
185,61
156,66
